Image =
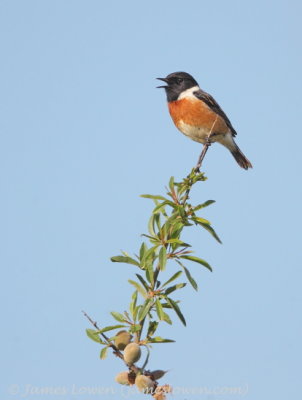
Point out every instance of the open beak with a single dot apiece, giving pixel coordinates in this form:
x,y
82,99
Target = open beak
x,y
164,80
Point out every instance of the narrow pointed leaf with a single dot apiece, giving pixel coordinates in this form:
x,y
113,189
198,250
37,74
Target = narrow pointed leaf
x,y
188,275
167,319
173,277
203,205
139,288
151,227
133,303
110,328
150,272
161,206
178,241
153,197
145,309
157,221
119,317
152,328
171,183
175,307
158,339
142,251
144,283
190,278
162,258
135,312
93,335
126,260
198,260
202,220
103,353
175,287
208,228
159,309
166,305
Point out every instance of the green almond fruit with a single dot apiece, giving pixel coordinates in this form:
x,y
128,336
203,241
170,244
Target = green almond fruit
x,y
122,378
132,353
145,384
122,339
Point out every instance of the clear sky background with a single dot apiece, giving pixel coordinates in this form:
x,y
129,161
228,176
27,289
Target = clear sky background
x,y
84,132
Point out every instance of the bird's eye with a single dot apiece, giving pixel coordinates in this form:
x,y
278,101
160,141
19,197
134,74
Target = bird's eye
x,y
179,80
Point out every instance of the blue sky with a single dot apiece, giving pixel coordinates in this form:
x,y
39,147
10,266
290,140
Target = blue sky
x,y
84,132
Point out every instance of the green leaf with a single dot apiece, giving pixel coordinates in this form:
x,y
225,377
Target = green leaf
x,y
135,328
173,277
127,316
163,233
171,183
190,278
158,339
151,227
157,221
166,318
160,208
145,284
153,239
178,241
119,317
150,272
162,258
126,260
175,307
207,227
103,353
159,310
142,251
93,335
152,328
154,197
202,220
139,288
145,309
110,328
198,260
175,287
135,312
177,227
133,303
203,205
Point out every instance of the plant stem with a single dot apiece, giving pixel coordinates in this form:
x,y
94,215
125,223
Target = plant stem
x,y
117,352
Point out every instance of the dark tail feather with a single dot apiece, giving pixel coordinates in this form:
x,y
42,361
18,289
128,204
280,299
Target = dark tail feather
x,y
241,159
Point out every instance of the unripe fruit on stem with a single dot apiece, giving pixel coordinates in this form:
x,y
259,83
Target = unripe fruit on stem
x,y
122,378
122,339
144,384
132,353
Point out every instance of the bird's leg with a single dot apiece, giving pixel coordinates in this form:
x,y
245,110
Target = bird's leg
x,y
205,148
202,154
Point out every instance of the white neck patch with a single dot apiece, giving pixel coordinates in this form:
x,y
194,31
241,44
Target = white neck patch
x,y
188,93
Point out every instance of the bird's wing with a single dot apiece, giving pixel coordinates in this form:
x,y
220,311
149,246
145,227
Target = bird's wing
x,y
214,106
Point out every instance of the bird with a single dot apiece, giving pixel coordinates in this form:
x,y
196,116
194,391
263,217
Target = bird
x,y
197,115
